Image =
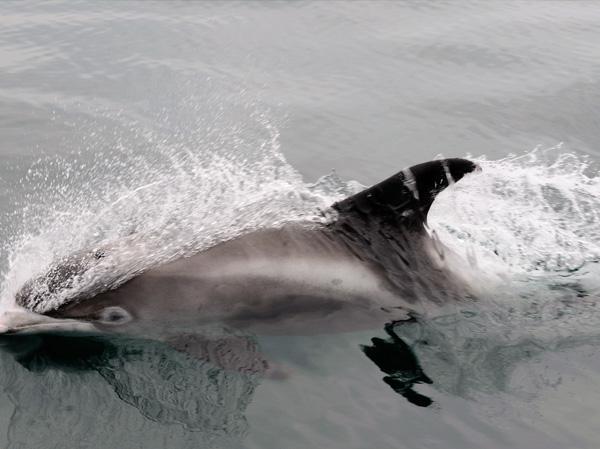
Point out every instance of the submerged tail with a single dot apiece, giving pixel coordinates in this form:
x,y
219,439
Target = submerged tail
x,y
406,197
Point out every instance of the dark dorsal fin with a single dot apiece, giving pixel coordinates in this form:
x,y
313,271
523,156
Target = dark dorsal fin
x,y
407,196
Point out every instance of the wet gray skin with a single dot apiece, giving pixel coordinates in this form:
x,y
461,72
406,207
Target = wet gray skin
x,y
374,262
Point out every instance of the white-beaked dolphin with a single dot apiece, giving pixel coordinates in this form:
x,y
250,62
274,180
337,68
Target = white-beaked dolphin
x,y
374,260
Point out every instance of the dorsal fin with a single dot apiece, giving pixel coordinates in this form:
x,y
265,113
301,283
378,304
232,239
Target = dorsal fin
x,y
407,196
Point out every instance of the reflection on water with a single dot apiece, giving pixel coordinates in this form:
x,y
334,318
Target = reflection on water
x,y
194,391
468,357
204,386
396,359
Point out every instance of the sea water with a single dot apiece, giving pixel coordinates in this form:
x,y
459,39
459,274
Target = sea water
x,y
184,124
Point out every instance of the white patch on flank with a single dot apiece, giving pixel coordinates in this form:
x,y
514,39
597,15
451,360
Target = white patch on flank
x,y
330,276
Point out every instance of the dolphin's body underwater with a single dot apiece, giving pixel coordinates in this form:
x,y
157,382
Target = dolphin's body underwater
x,y
374,260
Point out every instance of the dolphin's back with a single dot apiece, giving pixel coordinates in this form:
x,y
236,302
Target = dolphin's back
x,y
405,198
377,245
386,224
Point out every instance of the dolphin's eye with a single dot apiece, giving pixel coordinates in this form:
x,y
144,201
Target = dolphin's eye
x,y
113,316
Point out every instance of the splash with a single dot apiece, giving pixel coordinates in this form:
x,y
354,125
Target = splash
x,y
536,213
534,221
156,205
527,217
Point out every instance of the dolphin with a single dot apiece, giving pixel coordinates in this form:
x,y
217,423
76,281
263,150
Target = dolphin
x,y
373,260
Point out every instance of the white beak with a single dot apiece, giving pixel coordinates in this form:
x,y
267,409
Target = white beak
x,y
21,321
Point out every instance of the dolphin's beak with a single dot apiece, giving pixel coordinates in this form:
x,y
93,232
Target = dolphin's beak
x,y
21,321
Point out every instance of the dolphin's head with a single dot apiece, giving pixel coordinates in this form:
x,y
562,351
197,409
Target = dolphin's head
x,y
84,317
103,313
137,311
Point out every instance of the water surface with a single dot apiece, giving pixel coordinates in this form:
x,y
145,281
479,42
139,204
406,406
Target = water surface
x,y
192,122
